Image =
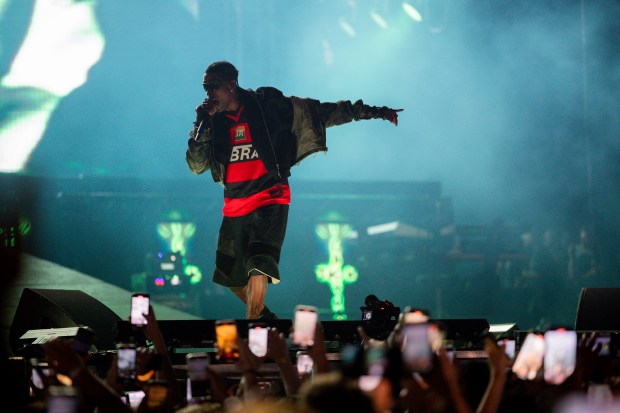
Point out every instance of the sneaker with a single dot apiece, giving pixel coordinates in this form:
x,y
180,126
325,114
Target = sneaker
x,y
267,315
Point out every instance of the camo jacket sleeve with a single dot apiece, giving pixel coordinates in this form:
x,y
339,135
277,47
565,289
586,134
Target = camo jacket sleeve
x,y
343,111
199,150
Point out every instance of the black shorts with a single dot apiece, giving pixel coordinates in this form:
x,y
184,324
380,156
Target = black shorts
x,y
250,245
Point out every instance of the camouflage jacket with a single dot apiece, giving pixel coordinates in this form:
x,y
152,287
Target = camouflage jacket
x,y
285,130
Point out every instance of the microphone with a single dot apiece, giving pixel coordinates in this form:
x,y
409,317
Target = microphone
x,y
200,127
199,130
203,112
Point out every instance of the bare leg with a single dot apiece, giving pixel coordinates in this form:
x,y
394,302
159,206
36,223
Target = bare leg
x,y
242,293
255,298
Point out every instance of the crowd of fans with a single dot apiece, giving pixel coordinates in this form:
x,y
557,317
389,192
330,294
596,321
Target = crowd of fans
x,y
374,375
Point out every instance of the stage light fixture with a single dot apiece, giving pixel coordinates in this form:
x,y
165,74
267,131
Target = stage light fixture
x,y
412,12
399,229
167,274
175,234
346,27
377,18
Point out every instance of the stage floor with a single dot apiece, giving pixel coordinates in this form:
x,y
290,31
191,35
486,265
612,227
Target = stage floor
x,y
38,273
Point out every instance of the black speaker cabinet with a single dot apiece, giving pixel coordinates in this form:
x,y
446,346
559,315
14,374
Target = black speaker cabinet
x,y
46,308
598,309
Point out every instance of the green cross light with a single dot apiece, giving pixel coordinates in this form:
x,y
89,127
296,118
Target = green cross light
x,y
177,235
335,272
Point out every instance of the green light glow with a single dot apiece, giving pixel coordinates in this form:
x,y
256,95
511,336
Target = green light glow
x,y
9,235
24,226
335,272
177,235
62,43
194,273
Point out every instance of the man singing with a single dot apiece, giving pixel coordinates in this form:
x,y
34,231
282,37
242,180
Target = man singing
x,y
249,140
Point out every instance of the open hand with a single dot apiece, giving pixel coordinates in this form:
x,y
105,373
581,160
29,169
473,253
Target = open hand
x,y
393,116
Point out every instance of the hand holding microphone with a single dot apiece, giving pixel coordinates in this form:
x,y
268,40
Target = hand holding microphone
x,y
207,107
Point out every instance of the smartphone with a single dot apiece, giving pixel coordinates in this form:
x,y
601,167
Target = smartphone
x,y
416,316
509,347
156,393
560,355
416,347
226,338
304,363
197,379
304,325
126,361
134,398
257,338
40,373
139,305
530,357
375,363
436,336
605,344
83,340
600,395
265,388
62,399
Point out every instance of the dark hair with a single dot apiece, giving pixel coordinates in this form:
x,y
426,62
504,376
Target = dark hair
x,y
334,393
223,69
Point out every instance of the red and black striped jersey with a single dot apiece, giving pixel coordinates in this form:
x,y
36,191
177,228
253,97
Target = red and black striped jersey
x,y
248,185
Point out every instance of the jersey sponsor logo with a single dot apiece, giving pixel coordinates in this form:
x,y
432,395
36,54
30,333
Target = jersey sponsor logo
x,y
239,133
241,153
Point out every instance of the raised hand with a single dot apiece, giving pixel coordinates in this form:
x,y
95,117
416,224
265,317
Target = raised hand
x,y
277,349
248,362
392,115
207,107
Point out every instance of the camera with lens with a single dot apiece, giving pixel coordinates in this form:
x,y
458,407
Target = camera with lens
x,y
379,317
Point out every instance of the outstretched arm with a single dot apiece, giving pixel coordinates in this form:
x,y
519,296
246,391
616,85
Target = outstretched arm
x,y
450,376
498,362
344,111
153,333
249,364
318,351
278,351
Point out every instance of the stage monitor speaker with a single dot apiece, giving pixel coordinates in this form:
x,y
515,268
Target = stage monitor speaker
x,y
505,330
466,329
197,333
344,331
598,310
47,308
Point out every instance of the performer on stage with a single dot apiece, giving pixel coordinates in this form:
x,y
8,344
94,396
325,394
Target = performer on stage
x,y
249,140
